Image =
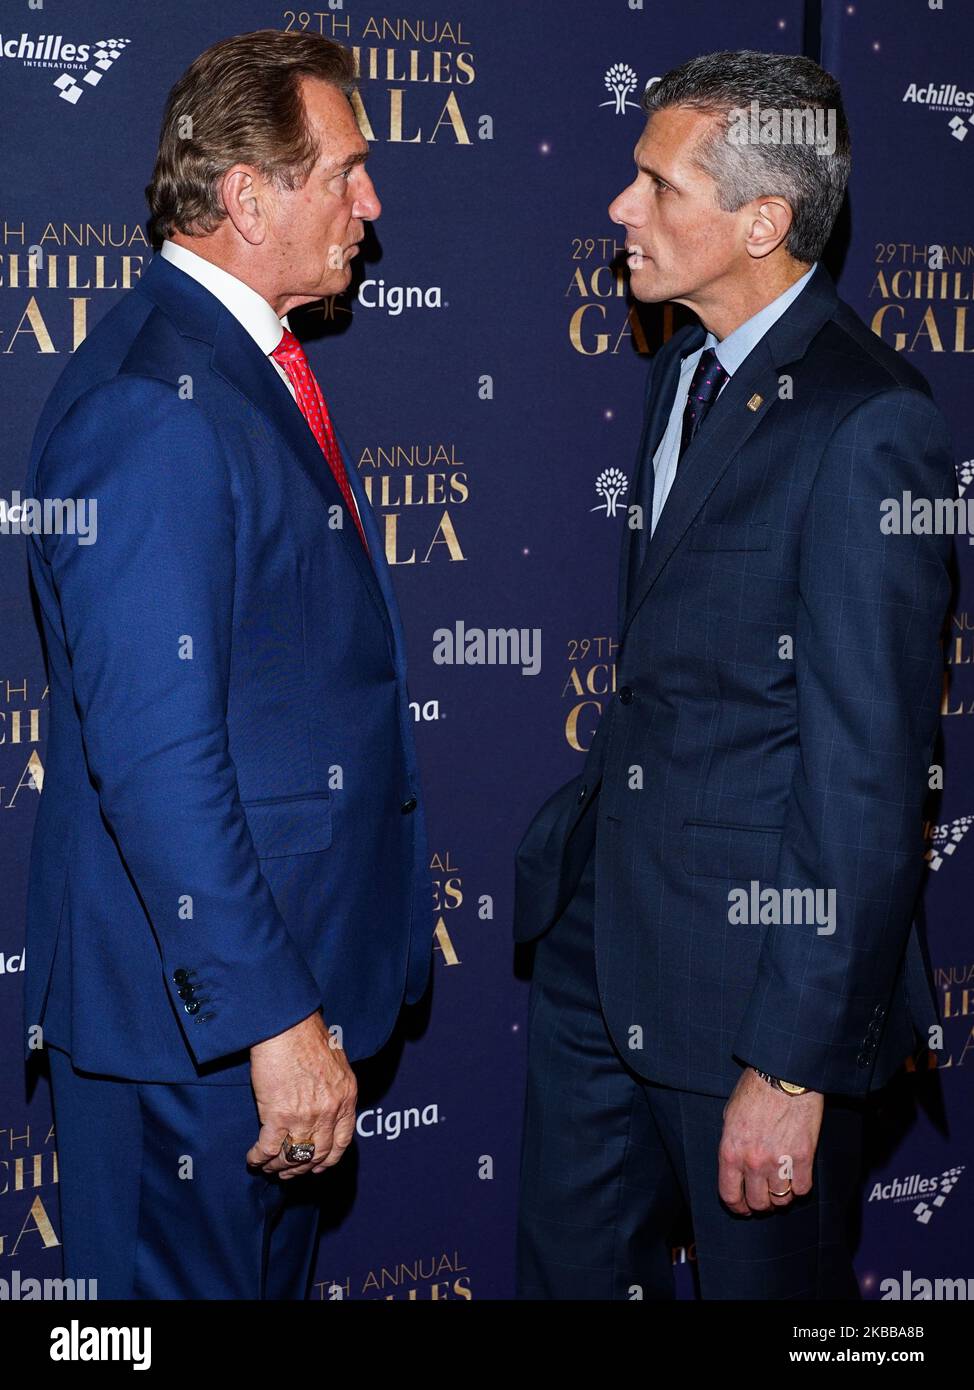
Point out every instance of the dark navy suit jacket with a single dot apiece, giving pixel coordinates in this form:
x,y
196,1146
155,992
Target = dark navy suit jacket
x,y
229,836
731,756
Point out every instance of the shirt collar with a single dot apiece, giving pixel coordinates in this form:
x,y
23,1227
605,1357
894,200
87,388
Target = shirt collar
x,y
732,350
250,309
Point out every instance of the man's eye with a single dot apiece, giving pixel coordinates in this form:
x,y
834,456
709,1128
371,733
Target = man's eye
x,y
660,184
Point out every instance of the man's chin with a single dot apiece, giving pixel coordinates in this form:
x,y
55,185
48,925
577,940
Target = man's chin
x,y
647,287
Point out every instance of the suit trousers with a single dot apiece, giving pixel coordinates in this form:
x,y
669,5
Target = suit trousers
x,y
610,1162
156,1198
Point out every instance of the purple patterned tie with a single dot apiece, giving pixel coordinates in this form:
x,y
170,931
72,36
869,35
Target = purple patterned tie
x,y
705,384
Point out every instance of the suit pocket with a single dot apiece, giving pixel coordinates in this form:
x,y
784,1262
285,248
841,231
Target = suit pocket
x,y
735,852
720,535
285,825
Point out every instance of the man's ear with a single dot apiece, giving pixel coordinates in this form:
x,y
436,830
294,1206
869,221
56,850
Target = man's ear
x,y
243,192
769,221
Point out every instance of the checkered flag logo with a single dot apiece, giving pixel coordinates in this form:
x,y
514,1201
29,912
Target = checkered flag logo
x,y
945,840
947,1182
965,475
103,56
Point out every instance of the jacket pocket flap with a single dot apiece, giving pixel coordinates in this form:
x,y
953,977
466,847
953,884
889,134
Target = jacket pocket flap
x,y
730,851
720,535
289,824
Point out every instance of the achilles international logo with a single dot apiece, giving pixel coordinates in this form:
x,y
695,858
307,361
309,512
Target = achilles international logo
x,y
946,1183
932,1192
945,98
610,484
944,840
82,65
621,81
965,475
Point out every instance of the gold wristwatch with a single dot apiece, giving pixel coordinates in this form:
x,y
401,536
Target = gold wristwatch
x,y
790,1088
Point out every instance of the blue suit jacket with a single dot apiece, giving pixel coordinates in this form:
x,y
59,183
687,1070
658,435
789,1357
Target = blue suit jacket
x,y
731,755
229,835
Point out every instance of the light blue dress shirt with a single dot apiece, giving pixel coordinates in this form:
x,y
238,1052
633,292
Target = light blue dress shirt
x,y
731,352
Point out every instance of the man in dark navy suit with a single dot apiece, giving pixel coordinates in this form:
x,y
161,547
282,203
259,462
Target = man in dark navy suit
x,y
229,894
728,961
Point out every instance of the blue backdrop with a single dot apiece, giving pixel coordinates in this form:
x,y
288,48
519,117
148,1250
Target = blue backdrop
x,y
486,370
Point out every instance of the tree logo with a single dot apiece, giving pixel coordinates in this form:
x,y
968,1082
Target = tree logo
x,y
610,484
620,80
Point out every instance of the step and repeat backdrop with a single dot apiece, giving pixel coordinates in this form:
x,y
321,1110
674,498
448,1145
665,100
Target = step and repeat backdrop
x,y
487,371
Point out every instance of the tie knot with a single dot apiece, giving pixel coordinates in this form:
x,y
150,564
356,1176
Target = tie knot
x,y
288,349
708,377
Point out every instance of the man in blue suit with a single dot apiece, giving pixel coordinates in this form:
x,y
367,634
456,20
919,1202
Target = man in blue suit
x,y
728,962
229,892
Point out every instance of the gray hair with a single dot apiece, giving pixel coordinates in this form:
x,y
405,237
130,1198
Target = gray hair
x,y
813,179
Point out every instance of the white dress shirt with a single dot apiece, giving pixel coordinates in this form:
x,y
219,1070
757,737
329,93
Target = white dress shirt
x,y
250,309
730,352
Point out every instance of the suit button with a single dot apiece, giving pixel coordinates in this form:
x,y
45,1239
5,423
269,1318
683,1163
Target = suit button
x,y
408,806
581,795
192,1006
186,991
864,1059
878,1011
625,694
180,976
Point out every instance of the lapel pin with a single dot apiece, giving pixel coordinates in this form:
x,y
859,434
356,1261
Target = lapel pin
x,y
755,402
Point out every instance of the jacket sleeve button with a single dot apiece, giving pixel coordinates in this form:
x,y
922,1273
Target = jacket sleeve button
x,y
408,806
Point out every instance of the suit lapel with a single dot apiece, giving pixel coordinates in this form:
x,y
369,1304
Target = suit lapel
x,y
660,402
237,358
733,419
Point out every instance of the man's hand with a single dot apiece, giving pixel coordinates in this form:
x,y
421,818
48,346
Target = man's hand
x,y
304,1086
769,1141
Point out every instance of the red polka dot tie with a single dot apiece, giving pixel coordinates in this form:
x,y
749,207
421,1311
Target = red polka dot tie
x,y
290,354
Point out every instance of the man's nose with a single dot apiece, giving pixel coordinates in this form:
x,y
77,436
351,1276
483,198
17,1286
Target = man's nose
x,y
367,204
619,209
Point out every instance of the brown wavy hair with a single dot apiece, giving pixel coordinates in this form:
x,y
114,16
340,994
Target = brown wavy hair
x,y
238,103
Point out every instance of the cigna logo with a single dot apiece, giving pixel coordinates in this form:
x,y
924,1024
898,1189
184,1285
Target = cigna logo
x,y
389,1124
376,294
